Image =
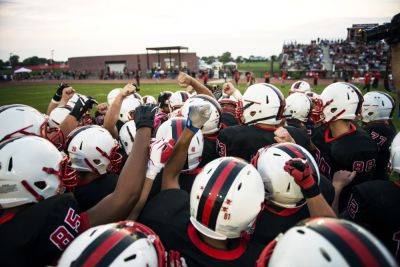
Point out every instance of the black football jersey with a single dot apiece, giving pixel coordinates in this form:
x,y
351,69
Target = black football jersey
x,y
382,133
274,220
37,235
244,141
90,194
168,215
228,119
353,151
375,205
209,150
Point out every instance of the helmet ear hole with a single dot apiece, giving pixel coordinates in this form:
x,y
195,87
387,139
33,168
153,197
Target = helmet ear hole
x,y
96,161
333,110
40,184
239,187
132,257
325,254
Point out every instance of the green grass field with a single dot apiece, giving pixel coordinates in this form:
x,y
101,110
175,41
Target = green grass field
x,y
38,96
258,68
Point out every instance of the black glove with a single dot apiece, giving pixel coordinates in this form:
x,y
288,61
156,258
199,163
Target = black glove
x,y
144,116
57,96
81,107
303,176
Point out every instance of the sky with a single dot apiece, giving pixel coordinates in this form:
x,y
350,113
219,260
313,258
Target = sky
x,y
209,27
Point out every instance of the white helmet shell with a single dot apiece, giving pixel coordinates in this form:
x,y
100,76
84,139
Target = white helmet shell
x,y
148,99
300,87
22,177
280,187
226,198
377,106
263,103
112,95
128,106
177,100
212,124
325,242
127,136
58,115
141,247
298,106
172,129
91,149
341,101
394,162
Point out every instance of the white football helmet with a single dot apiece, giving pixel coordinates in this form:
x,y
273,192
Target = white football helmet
x,y
127,136
177,100
324,242
300,87
226,198
263,103
213,123
112,95
58,115
128,106
138,246
32,169
148,99
172,129
298,106
93,149
394,162
341,101
280,187
377,106
18,120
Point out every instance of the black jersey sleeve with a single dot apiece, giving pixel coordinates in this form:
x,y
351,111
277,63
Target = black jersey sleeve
x,y
300,136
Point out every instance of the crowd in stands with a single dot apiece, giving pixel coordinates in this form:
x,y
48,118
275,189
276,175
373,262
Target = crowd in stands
x,y
302,56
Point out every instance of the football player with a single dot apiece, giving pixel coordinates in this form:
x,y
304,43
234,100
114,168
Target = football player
x,y
163,111
374,204
263,107
32,177
294,189
298,110
208,226
339,144
377,111
300,87
325,242
176,101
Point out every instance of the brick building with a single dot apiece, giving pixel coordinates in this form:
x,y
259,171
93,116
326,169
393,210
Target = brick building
x,y
154,58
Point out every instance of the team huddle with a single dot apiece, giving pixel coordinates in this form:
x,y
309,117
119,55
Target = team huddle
x,y
200,178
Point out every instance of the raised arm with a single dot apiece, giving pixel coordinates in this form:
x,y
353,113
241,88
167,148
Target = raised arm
x,y
112,115
198,115
185,80
118,204
340,180
54,102
302,174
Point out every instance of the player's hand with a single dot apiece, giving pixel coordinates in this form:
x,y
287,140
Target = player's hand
x,y
302,173
342,178
184,80
198,116
282,136
128,90
144,116
102,108
154,164
190,89
59,92
228,88
174,259
82,106
67,94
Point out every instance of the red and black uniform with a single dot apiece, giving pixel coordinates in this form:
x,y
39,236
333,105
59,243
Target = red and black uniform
x,y
38,234
375,205
382,133
228,119
168,215
274,220
352,151
88,195
244,141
